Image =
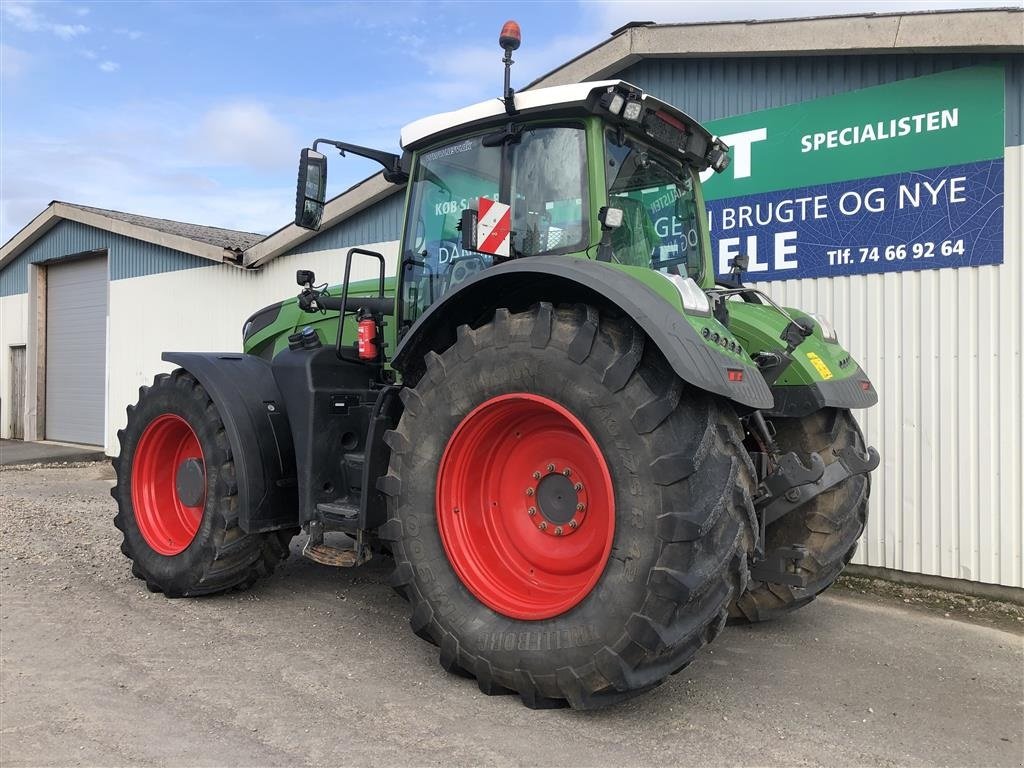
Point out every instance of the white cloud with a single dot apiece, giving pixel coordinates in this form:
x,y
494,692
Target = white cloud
x,y
68,31
109,66
23,15
13,61
131,34
243,133
143,158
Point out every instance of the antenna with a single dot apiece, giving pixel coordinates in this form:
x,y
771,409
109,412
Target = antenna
x,y
510,39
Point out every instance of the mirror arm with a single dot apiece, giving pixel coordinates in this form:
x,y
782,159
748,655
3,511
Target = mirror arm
x,y
393,171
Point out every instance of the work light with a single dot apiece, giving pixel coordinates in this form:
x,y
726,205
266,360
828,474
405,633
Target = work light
x,y
631,110
828,331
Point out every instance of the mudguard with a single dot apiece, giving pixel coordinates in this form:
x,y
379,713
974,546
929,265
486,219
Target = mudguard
x,y
855,391
822,374
519,284
247,399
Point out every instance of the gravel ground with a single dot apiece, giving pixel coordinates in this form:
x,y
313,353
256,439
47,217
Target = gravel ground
x,y
318,666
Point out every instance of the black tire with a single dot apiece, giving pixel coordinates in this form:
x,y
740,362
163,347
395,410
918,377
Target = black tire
x,y
829,525
684,516
221,556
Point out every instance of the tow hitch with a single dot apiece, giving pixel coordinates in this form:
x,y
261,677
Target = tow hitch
x,y
789,486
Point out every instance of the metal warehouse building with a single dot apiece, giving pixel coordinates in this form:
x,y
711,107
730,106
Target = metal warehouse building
x,y
876,179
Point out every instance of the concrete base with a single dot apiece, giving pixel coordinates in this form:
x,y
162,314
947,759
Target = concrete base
x,y
960,586
27,452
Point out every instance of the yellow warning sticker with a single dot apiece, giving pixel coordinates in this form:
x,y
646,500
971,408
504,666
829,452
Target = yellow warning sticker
x,y
818,363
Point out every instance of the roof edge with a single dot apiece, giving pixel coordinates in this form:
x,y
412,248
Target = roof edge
x,y
57,211
988,29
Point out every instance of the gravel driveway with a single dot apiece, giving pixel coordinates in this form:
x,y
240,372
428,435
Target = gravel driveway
x,y
318,666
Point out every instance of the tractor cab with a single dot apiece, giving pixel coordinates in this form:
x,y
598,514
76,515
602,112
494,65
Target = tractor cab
x,y
598,170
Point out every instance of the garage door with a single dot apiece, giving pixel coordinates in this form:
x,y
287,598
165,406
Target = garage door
x,y
76,343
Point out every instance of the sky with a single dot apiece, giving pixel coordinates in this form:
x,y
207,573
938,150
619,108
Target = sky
x,y
196,111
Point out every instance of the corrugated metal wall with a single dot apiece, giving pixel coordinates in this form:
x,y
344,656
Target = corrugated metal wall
x,y
943,346
127,257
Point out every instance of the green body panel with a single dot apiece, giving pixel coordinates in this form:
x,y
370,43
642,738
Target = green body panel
x,y
759,326
272,339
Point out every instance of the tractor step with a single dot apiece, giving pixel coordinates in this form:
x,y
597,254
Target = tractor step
x,y
325,554
350,553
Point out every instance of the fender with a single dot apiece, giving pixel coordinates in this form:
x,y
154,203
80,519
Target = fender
x,y
522,283
250,405
855,391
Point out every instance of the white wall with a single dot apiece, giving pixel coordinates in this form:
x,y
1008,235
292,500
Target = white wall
x,y
201,310
943,348
13,332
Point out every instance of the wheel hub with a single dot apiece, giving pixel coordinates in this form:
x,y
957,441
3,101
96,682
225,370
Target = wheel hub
x,y
190,482
561,505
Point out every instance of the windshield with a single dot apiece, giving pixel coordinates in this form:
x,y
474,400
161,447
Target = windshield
x,y
660,224
541,173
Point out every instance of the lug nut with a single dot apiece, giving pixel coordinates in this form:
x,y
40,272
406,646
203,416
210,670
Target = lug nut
x,y
558,531
531,511
580,507
529,491
578,486
573,524
566,471
536,475
551,467
543,526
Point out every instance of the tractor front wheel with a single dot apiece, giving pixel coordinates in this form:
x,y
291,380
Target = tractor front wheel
x,y
828,526
569,520
176,495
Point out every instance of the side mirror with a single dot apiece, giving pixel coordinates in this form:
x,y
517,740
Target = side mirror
x,y
311,191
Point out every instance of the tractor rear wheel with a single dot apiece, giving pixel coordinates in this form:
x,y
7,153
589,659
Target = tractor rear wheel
x,y
829,525
569,520
176,496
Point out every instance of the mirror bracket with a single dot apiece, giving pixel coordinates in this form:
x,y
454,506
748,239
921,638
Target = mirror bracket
x,y
394,173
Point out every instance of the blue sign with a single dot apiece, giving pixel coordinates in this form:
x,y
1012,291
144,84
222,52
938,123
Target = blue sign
x,y
943,217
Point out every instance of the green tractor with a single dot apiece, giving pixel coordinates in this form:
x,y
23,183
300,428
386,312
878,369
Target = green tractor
x,y
584,455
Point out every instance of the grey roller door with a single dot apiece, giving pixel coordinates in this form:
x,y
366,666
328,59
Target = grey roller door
x,y
76,344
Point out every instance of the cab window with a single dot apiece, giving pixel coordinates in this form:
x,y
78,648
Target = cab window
x,y
661,224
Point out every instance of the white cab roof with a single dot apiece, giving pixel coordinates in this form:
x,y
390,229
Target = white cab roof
x,y
526,101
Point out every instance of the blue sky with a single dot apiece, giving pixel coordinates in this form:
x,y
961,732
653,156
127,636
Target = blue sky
x,y
196,110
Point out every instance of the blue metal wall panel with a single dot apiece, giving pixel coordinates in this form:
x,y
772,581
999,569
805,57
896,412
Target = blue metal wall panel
x,y
709,89
127,257
376,224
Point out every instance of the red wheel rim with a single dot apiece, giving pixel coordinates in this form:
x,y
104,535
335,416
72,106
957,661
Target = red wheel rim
x,y
166,521
525,506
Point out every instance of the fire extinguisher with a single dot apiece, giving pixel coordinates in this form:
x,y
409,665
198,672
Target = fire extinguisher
x,y
367,338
